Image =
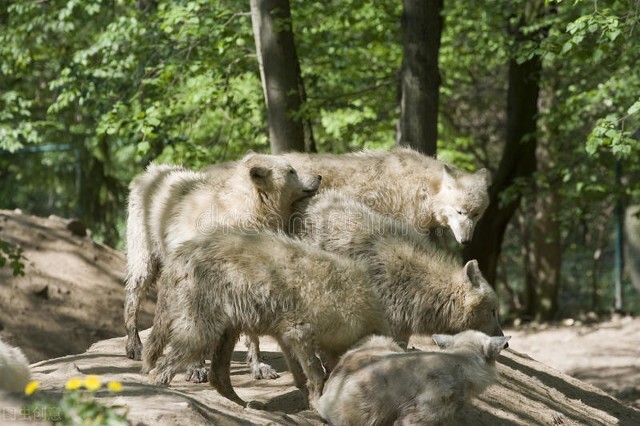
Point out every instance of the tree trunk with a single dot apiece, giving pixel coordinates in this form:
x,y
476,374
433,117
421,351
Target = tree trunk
x,y
547,254
525,216
518,161
420,76
632,244
279,70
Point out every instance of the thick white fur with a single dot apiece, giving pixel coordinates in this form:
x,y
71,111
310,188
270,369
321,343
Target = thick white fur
x,y
170,204
377,383
401,183
14,369
259,283
423,289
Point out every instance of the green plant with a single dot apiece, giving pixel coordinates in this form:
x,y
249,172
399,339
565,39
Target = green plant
x,y
14,256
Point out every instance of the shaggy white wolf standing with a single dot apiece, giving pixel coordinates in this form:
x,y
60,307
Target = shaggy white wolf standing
x,y
261,283
14,369
169,204
423,290
377,383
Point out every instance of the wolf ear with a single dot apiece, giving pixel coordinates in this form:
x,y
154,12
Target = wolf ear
x,y
472,272
448,175
259,174
495,345
485,175
443,341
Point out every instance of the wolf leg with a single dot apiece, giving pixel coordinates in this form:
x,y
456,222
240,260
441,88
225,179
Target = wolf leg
x,y
137,287
300,339
259,369
220,374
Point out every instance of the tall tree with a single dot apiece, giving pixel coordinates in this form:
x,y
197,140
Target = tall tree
x,y
420,75
518,160
280,72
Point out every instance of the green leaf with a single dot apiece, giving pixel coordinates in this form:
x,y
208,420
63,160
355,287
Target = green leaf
x,y
634,108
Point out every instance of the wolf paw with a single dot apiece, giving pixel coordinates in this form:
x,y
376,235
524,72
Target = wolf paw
x,y
159,378
257,405
134,347
261,370
196,374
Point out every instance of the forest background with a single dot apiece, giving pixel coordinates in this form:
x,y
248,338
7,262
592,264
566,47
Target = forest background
x,y
546,94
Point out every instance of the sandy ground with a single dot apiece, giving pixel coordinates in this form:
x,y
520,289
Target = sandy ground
x,y
605,354
72,296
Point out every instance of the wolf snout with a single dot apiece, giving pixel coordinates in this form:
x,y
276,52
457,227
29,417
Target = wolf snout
x,y
465,242
314,184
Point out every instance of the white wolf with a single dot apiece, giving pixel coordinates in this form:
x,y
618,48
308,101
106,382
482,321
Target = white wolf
x,y
261,283
169,204
377,383
14,369
402,183
423,290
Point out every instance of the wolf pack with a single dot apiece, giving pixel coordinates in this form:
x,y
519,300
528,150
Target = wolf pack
x,y
331,256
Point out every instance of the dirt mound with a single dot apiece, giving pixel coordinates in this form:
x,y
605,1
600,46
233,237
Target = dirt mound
x,y
72,293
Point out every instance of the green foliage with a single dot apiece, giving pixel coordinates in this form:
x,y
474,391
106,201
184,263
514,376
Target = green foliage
x,y
13,256
608,133
349,60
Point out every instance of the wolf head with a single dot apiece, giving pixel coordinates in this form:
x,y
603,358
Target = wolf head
x,y
471,340
461,201
481,302
274,177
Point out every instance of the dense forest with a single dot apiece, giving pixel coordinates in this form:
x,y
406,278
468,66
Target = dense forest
x,y
545,94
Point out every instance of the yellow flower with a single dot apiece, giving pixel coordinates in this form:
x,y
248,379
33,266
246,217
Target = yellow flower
x,y
92,383
73,384
31,387
114,386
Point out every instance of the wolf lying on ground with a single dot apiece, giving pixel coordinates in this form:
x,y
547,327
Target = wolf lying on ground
x,y
262,283
377,383
423,290
168,205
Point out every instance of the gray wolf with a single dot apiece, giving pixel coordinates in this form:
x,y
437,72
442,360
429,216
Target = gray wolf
x,y
377,383
14,369
229,282
423,290
169,204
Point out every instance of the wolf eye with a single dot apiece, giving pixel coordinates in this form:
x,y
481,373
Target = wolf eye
x,y
459,211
